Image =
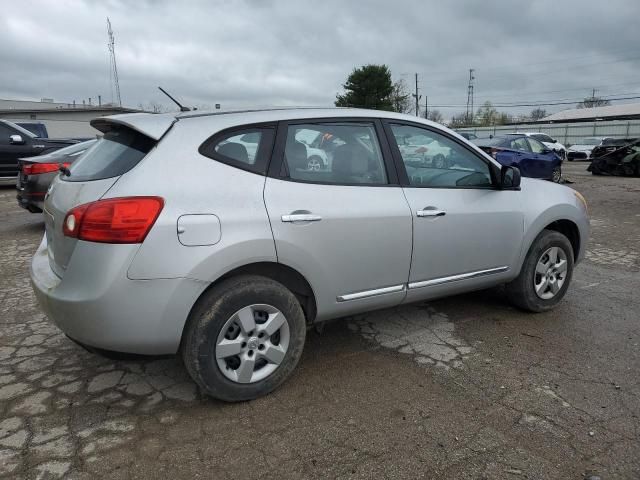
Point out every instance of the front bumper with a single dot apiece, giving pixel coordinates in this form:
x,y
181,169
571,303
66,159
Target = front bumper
x,y
577,155
96,304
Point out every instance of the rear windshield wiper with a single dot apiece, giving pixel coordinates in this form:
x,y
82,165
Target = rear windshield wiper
x,y
65,171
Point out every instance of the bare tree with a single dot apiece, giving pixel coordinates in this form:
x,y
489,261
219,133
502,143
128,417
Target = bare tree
x,y
435,116
538,113
400,97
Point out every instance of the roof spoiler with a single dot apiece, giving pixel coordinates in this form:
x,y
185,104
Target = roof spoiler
x,y
152,125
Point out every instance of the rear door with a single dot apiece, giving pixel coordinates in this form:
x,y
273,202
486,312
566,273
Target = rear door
x,y
466,234
346,226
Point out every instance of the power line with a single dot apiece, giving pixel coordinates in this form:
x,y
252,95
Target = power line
x,y
533,104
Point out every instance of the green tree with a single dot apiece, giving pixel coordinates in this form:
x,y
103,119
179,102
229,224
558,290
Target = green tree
x,y
369,86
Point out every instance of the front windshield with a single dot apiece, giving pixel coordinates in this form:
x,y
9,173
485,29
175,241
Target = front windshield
x,y
589,141
542,138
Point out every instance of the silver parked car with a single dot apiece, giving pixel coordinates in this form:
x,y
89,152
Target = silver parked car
x,y
169,236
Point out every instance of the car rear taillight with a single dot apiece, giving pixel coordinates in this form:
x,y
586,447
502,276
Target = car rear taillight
x,y
38,168
114,220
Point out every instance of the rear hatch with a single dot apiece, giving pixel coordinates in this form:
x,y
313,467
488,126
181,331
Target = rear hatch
x,y
121,148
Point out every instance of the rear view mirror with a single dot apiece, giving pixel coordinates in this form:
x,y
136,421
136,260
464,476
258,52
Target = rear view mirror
x,y
509,177
16,140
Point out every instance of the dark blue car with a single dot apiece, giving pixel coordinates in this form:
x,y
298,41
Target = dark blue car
x,y
528,154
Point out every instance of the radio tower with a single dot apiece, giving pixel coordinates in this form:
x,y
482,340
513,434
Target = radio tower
x,y
470,97
113,69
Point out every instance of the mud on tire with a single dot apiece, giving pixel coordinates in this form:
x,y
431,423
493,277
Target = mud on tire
x,y
214,310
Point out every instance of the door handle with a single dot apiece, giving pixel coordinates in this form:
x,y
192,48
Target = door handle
x,y
430,212
301,217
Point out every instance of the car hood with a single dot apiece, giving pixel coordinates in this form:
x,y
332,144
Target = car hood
x,y
581,148
554,146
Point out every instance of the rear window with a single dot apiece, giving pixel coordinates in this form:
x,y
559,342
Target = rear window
x,y
113,155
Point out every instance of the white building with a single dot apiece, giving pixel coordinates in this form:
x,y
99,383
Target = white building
x,y
61,119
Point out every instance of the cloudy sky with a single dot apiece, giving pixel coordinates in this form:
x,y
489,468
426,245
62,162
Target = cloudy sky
x,y
299,52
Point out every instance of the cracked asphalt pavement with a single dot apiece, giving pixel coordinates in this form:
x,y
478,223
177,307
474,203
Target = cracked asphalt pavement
x,y
464,387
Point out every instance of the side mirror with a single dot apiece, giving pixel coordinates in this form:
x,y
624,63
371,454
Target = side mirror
x,y
545,151
509,177
16,140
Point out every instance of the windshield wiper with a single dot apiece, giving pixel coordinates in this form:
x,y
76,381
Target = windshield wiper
x,y
65,171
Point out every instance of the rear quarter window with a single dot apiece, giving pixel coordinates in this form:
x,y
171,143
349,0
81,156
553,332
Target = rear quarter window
x,y
248,148
117,152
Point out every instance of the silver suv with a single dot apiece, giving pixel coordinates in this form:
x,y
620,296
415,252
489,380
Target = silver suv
x,y
209,234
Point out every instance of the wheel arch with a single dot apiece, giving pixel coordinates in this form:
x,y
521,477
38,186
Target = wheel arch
x,y
281,273
570,230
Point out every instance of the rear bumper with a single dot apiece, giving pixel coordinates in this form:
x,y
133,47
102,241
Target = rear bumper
x,y
96,304
8,180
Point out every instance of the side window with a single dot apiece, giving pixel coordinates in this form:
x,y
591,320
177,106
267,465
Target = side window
x,y
536,146
340,153
519,144
248,149
433,160
5,133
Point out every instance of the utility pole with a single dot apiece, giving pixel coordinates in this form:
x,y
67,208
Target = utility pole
x,y
417,97
470,97
426,107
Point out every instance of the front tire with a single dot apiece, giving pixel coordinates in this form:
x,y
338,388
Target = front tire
x,y
545,275
556,175
244,338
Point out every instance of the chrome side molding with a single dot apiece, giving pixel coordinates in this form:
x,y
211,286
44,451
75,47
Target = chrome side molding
x,y
370,293
455,278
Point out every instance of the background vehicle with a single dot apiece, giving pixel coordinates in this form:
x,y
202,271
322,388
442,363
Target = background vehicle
x,y
36,173
581,150
15,143
547,141
532,157
229,260
422,147
39,129
619,157
468,135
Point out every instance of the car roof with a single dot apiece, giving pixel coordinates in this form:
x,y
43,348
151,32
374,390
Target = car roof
x,y
155,125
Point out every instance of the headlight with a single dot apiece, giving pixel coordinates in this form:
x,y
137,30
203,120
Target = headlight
x,y
580,197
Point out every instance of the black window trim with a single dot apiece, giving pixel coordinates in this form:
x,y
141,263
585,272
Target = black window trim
x,y
494,170
263,154
278,167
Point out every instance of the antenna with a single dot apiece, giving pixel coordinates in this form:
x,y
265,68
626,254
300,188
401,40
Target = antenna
x,y
113,72
182,109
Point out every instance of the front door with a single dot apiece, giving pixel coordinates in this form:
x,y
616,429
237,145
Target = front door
x,y
466,234
345,226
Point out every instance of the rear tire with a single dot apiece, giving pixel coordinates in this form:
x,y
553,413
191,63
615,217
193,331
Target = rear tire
x,y
218,322
551,276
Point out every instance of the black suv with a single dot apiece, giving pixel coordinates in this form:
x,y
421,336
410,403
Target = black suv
x,y
17,142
